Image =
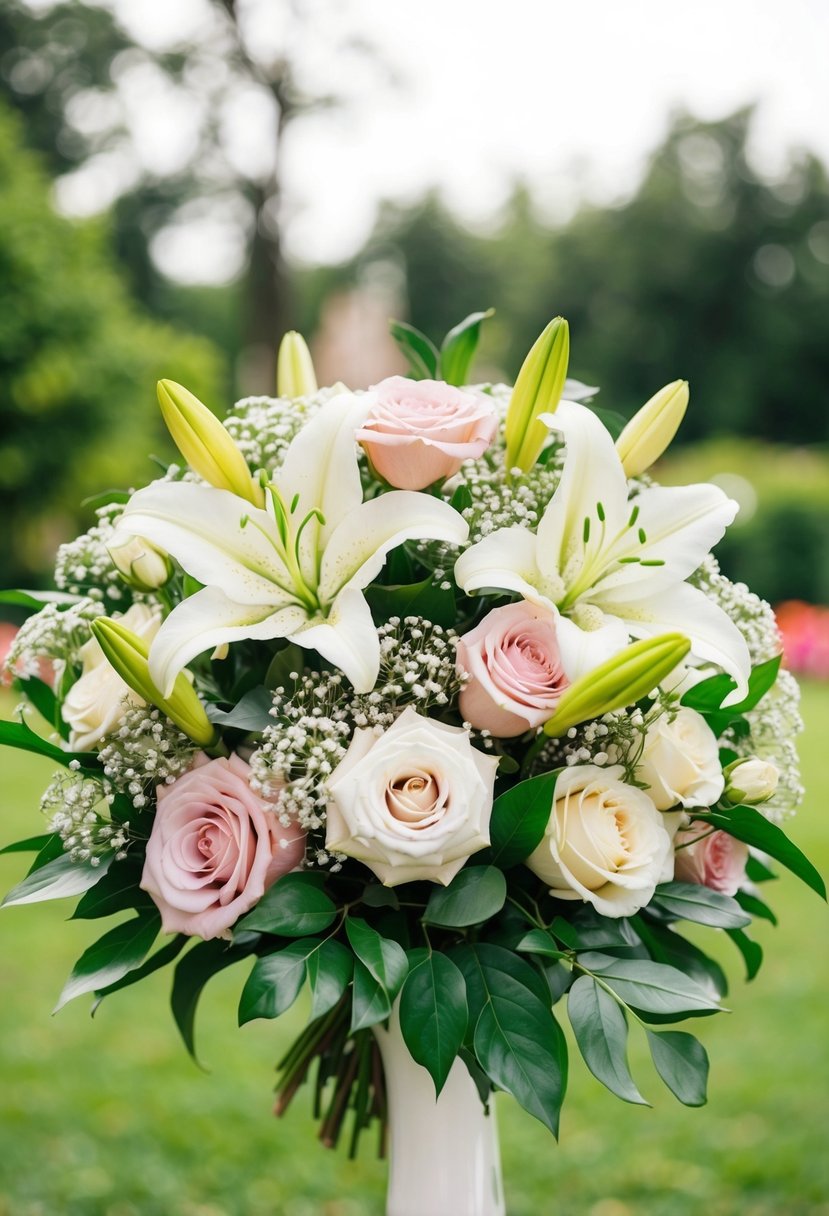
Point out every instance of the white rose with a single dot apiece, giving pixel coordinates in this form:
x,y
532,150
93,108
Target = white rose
x,y
751,781
680,762
605,842
94,704
412,803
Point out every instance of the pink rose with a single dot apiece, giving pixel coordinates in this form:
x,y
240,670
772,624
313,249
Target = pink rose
x,y
710,859
421,431
514,665
215,848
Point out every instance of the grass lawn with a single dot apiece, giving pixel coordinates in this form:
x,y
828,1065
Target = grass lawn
x,y
110,1117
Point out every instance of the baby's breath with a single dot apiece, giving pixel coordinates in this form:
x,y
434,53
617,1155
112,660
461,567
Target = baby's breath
x,y
84,567
146,751
56,633
263,427
78,810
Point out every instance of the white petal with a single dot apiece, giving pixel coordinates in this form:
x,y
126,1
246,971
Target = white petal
x,y
347,638
356,552
582,650
201,527
714,636
504,560
592,475
681,525
208,619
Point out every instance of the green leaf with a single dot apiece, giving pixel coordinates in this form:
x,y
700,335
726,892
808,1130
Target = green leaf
x,y
458,347
690,901
539,941
757,872
601,1032
58,879
117,891
377,896
665,945
433,1012
330,969
291,658
370,1002
682,1063
613,422
251,714
707,696
36,599
18,734
519,818
425,599
517,1040
111,957
473,896
39,694
420,353
751,951
462,498
295,906
31,845
275,981
755,907
652,987
746,823
155,962
383,958
200,964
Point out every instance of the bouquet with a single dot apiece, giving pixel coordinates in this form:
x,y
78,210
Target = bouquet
x,y
429,698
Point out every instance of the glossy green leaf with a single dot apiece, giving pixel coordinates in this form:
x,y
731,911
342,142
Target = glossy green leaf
x,y
601,1031
42,696
539,941
748,824
33,844
199,965
707,697
473,896
426,598
653,987
111,957
162,958
275,981
421,354
117,891
682,1063
755,907
458,347
58,879
690,901
330,969
37,599
295,906
519,818
433,1012
751,951
18,734
383,958
665,945
252,713
370,1002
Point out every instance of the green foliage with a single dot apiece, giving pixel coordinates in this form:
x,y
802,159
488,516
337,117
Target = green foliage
x,y
453,361
601,1032
519,818
749,825
296,906
472,897
433,1012
108,960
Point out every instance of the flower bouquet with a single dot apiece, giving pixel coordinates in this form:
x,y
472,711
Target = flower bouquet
x,y
429,699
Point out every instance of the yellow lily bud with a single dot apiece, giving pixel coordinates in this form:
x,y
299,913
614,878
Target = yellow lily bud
x,y
295,375
652,428
128,654
619,681
537,391
205,444
139,563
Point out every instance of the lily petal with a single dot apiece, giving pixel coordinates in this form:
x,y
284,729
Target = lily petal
x,y
505,559
714,636
209,619
201,527
347,638
356,551
584,649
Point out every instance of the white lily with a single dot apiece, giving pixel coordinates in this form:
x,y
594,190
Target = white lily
x,y
613,567
296,569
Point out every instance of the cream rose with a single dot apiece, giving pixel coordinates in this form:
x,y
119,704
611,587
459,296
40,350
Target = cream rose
x,y
412,803
680,762
605,842
215,848
94,705
421,431
710,859
514,668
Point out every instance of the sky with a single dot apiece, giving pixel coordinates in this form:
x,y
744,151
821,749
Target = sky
x,y
570,97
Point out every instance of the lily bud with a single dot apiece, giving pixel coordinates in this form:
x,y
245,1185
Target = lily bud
x,y
138,562
652,428
750,781
128,654
295,375
537,391
205,444
621,680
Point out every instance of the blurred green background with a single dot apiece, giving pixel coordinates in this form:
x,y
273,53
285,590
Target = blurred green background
x,y
111,1118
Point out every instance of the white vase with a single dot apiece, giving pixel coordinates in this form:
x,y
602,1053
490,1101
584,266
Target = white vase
x,y
444,1157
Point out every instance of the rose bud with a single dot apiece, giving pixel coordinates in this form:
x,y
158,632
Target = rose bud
x,y
750,781
710,859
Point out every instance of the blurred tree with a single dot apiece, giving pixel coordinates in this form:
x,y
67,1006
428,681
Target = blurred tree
x,y
249,74
78,366
709,272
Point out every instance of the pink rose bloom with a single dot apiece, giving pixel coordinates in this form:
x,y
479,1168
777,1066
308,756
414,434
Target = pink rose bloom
x,y
514,665
421,431
710,859
215,848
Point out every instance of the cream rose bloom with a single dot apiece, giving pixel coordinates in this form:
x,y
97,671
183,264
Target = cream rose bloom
x,y
94,705
605,842
680,762
412,803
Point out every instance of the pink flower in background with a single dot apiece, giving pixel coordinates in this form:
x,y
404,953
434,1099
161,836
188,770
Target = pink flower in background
x,y
516,677
215,848
710,859
421,431
804,630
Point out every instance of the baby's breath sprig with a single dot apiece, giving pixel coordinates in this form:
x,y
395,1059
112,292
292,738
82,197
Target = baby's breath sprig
x,y
78,810
146,751
56,633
